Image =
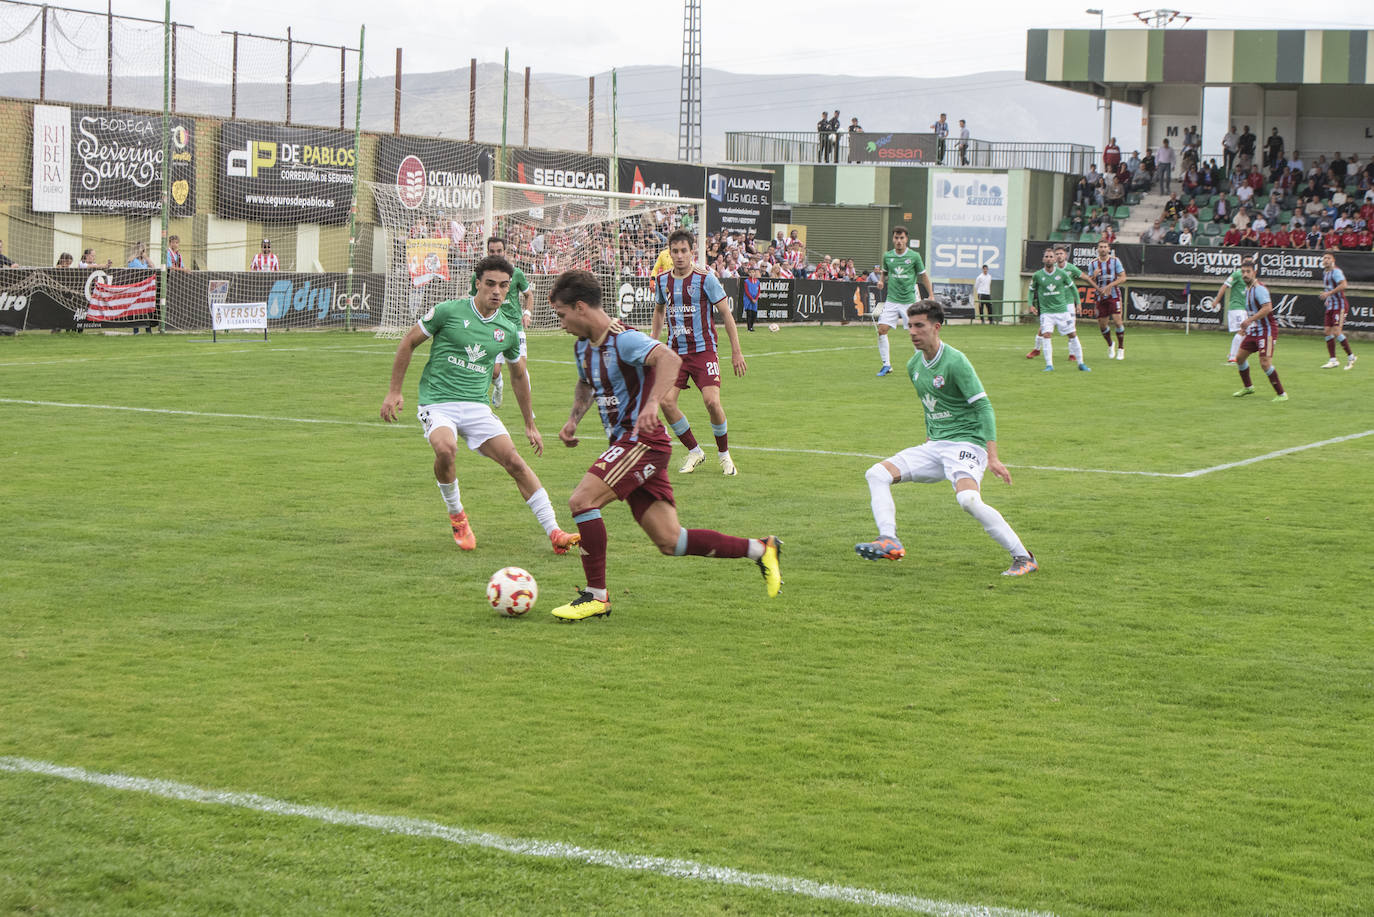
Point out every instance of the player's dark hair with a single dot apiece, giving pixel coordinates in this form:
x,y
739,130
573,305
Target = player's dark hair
x,y
1247,260
493,263
576,286
1061,248
682,235
902,230
931,309
491,239
1330,251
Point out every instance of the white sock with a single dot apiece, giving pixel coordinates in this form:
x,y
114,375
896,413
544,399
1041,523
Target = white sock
x,y
450,495
755,548
992,522
543,510
884,350
880,498
1047,345
1076,349
1039,342
1235,345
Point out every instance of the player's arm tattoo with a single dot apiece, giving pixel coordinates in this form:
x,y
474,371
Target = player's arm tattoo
x,y
582,401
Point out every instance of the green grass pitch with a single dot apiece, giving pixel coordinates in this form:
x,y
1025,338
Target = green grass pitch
x,y
1174,715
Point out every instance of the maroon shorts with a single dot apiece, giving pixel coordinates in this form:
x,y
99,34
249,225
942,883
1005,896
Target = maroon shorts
x,y
1107,306
1332,317
1261,342
637,472
702,368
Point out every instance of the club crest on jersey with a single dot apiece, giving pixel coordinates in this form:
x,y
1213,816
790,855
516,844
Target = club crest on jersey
x,y
475,352
466,323
929,402
499,335
938,382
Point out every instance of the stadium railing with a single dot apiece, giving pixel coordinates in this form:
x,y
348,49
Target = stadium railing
x,y
764,147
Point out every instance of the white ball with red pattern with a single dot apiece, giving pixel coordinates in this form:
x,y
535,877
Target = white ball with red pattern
x,y
773,327
512,591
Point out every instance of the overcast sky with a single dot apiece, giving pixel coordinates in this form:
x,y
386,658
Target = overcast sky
x,y
861,37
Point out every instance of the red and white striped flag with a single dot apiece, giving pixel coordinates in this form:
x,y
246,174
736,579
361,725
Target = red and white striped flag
x,y
113,301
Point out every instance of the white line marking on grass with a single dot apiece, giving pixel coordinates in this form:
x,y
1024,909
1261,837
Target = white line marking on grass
x,y
1269,455
47,362
119,407
414,827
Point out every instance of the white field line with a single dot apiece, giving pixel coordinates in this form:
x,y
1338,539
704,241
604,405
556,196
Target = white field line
x,y
1196,473
118,407
414,827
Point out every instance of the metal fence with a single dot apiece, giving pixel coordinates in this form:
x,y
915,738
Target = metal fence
x,y
805,147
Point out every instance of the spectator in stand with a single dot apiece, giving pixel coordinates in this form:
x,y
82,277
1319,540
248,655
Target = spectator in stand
x,y
1267,237
1133,164
823,138
1192,142
1111,156
1173,207
1232,237
172,258
1338,168
833,126
264,260
1245,147
1350,239
1170,233
1243,217
1077,217
138,255
1164,157
875,275
963,143
1255,179
88,260
1115,193
1221,210
1208,174
1230,143
1314,236
1272,209
1273,148
1188,221
1295,162
854,142
1145,175
1185,237
63,260
1245,194
1297,236
1192,182
1083,191
1108,234
941,129
1249,238
1153,235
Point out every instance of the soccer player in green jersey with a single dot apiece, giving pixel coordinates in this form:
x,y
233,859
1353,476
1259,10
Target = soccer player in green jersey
x,y
1232,293
1061,259
517,307
1054,296
901,268
961,443
466,333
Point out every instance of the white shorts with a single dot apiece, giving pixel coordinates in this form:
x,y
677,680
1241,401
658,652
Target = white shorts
x,y
942,460
892,314
501,357
1063,322
1234,318
474,422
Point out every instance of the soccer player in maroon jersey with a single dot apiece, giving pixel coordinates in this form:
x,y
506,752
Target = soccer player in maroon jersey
x,y
1260,330
626,374
685,296
1333,296
1107,275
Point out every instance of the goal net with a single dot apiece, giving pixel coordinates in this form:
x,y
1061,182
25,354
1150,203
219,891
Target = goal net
x,y
616,236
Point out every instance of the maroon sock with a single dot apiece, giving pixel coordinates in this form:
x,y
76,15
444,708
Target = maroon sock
x,y
593,546
1121,339
688,439
1107,335
723,442
707,543
1345,345
1331,347
1274,380
1245,377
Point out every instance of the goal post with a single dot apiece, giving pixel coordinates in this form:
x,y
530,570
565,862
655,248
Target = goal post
x,y
547,230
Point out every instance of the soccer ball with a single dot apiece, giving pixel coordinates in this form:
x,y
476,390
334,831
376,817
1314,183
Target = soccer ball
x,y
512,591
773,327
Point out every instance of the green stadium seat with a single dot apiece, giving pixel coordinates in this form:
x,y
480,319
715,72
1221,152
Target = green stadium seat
x,y
1205,214
1213,229
1286,217
1088,236
1058,236
1065,224
1134,198
1203,199
1122,212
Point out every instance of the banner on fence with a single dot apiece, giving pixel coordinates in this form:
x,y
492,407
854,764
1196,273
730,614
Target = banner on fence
x,y
968,224
891,147
426,260
1274,265
739,200
274,174
661,179
101,161
444,174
